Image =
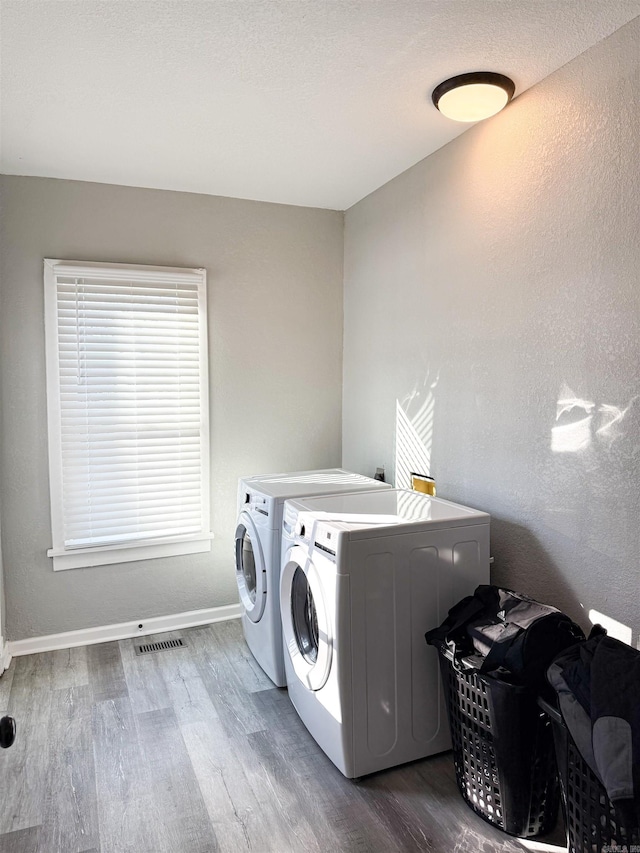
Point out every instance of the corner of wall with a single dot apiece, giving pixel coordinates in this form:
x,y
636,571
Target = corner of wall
x,y
5,655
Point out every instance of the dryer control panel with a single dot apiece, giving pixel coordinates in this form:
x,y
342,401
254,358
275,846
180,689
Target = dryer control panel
x,y
318,532
256,502
325,538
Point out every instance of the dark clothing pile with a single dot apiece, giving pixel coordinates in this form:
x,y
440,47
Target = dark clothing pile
x,y
598,687
505,634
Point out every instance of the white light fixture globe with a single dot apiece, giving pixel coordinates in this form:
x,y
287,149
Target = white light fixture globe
x,y
473,97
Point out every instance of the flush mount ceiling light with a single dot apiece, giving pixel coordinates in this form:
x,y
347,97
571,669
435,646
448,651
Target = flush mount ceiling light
x,y
472,97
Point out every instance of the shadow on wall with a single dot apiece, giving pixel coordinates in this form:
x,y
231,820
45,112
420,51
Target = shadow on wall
x,y
414,432
515,545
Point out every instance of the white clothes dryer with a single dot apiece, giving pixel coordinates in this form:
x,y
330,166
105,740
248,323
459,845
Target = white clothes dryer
x,y
257,546
364,576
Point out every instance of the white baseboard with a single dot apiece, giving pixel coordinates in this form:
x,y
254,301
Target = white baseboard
x,y
5,655
123,630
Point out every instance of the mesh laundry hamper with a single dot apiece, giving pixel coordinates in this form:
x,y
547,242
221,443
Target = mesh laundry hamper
x,y
503,750
590,817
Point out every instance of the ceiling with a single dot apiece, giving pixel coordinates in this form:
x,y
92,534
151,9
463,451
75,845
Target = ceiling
x,y
306,102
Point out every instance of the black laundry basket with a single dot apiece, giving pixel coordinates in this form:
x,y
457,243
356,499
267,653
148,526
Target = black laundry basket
x,y
590,817
503,750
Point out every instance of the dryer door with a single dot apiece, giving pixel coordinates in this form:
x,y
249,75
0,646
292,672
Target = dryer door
x,y
251,571
305,625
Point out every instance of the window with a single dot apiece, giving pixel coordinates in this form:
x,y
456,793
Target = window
x,y
127,396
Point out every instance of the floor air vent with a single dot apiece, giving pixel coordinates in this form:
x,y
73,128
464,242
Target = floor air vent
x,y
162,646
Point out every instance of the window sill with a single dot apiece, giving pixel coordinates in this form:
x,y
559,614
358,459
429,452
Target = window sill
x,y
105,555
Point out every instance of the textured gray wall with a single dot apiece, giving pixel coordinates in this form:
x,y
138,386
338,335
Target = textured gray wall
x,y
3,611
492,306
275,341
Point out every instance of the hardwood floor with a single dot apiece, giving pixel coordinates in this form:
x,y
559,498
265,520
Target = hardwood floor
x,y
193,750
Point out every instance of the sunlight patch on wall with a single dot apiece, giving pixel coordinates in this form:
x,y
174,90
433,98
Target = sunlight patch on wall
x,y
414,435
613,627
580,423
541,846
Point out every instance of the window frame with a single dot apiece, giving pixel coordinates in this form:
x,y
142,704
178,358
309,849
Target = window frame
x,y
145,549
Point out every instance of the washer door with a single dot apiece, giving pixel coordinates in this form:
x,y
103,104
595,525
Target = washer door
x,y
251,572
305,626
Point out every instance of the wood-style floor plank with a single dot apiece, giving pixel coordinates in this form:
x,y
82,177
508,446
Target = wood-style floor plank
x,y
145,684
193,750
21,841
227,637
23,767
333,803
242,808
425,822
106,673
188,695
228,813
70,821
32,672
228,695
6,680
69,668
182,820
127,812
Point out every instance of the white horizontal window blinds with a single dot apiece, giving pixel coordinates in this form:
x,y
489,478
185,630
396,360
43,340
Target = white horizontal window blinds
x,y
131,374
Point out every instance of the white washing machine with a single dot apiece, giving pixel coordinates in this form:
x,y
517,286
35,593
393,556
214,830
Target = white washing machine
x,y
364,577
258,533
